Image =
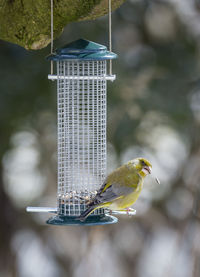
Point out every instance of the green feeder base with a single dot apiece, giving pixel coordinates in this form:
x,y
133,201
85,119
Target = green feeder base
x,y
90,220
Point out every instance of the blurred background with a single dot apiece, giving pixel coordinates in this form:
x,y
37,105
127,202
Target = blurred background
x,y
153,111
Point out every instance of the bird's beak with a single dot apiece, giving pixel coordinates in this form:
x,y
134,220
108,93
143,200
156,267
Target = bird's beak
x,y
147,169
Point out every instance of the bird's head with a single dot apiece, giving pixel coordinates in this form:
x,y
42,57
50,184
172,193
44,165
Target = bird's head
x,y
142,166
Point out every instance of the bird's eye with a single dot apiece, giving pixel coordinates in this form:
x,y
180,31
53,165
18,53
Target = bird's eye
x,y
143,163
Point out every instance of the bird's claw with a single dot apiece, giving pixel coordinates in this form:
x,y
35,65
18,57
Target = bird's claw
x,y
108,211
129,210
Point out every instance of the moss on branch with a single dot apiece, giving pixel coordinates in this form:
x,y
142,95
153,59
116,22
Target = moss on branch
x,y
27,22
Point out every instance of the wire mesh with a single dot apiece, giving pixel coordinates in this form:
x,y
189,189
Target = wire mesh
x,y
81,133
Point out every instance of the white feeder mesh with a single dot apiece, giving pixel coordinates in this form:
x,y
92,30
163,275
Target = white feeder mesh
x,y
81,134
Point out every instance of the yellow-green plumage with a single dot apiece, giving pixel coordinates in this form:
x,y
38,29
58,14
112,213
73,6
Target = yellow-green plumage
x,y
121,188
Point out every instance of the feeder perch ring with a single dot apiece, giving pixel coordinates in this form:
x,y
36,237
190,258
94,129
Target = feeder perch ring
x,y
103,219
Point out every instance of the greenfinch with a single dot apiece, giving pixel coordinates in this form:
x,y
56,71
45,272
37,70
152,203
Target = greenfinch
x,y
121,188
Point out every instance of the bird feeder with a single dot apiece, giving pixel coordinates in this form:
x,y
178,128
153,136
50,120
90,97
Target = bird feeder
x,y
81,130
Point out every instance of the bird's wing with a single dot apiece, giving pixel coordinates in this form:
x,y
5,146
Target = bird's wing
x,y
109,192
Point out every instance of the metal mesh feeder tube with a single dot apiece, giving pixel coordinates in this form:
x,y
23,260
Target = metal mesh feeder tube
x,y
81,117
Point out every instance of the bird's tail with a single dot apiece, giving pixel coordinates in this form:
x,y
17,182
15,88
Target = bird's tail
x,y
87,212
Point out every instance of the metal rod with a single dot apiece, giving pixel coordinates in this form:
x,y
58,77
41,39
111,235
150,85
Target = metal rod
x,y
110,31
41,210
132,212
51,35
107,77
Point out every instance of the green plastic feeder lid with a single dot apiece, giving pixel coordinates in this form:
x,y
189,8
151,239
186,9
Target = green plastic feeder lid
x,y
82,50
